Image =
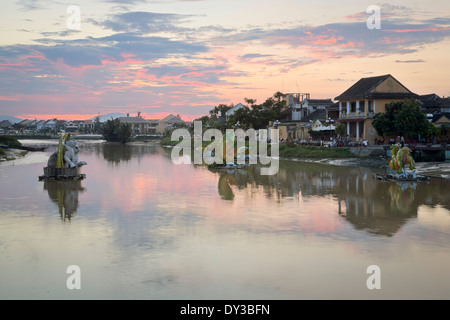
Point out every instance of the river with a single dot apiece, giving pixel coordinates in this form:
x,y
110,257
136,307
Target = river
x,y
141,227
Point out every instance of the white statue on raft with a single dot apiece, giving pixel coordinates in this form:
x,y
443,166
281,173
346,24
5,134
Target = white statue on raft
x,y
67,154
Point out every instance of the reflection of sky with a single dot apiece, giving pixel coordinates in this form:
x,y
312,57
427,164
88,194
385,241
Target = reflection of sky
x,y
147,229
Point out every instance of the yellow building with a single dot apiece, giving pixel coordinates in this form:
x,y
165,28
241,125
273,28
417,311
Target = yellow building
x,y
368,96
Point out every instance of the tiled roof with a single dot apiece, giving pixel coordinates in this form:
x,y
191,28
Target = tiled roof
x,y
319,102
132,120
171,119
313,116
333,107
364,87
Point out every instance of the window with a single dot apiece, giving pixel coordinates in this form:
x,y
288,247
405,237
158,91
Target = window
x,y
353,106
362,106
370,106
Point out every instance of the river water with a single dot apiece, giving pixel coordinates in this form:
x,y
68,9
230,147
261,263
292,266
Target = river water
x,y
141,227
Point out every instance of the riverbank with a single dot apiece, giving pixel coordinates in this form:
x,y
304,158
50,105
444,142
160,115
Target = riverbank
x,y
12,154
326,156
368,157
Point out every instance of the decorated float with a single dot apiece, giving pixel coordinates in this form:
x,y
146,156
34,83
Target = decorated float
x,y
63,164
401,166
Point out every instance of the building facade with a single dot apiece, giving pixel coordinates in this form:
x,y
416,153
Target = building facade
x,y
368,96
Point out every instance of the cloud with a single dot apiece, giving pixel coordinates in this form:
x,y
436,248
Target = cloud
x,y
349,39
92,51
388,11
252,56
410,61
64,33
143,22
29,5
161,58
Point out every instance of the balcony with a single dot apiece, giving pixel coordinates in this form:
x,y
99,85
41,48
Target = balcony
x,y
353,115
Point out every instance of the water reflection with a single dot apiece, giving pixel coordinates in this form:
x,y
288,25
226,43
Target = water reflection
x,y
225,181
115,153
185,231
65,195
378,207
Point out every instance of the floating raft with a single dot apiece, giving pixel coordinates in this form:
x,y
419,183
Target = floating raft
x,y
227,166
62,174
398,177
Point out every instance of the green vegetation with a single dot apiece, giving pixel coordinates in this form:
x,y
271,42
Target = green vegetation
x,y
10,141
291,150
341,130
256,116
114,131
167,141
403,118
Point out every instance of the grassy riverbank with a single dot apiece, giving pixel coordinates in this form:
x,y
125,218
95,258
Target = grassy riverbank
x,y
13,151
290,150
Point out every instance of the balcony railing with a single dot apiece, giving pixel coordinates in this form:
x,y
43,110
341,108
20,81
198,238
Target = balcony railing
x,y
352,115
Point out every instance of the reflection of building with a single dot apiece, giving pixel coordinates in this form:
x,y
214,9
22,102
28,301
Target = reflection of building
x,y
380,208
368,96
376,207
65,195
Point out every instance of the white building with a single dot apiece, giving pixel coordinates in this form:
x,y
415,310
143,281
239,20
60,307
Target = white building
x,y
234,109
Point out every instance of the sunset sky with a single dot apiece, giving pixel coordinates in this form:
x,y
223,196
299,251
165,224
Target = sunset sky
x,y
186,56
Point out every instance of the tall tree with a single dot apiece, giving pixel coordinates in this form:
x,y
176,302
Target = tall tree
x,y
403,118
114,131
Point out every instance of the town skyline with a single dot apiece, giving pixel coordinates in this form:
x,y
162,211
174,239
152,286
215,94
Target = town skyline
x,y
185,57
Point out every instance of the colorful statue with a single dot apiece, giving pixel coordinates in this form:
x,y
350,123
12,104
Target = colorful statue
x,y
401,157
67,154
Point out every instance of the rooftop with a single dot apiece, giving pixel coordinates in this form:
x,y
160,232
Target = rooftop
x,y
365,89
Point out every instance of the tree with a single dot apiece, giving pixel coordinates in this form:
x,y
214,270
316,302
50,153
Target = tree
x,y
403,118
219,112
250,102
97,124
243,117
341,129
114,131
125,132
